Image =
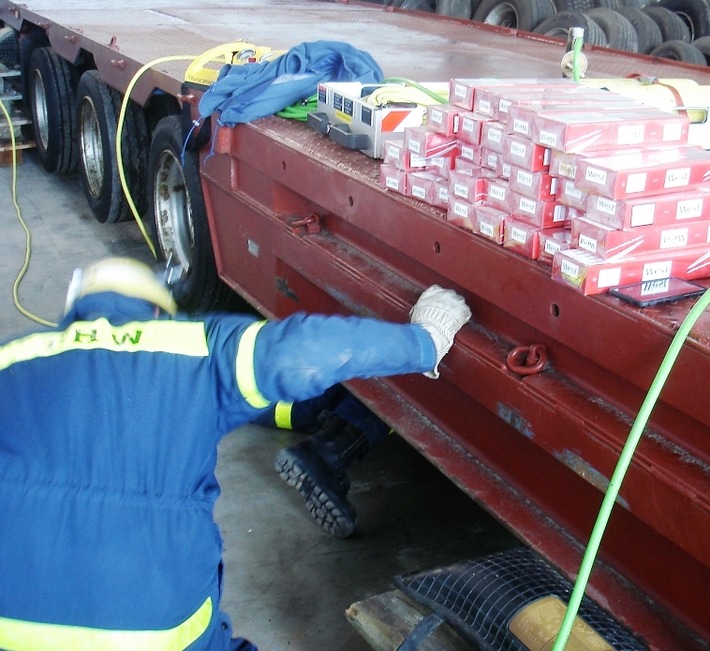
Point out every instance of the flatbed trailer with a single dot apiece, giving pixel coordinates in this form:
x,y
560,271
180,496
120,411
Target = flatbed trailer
x,y
291,221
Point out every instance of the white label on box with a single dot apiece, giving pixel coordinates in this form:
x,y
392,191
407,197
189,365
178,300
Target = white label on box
x,y
468,152
418,191
570,190
568,170
518,149
609,277
392,182
548,139
525,178
569,270
656,270
654,287
496,192
589,243
559,213
460,190
643,214
460,90
461,208
521,126
493,134
505,170
595,175
608,206
674,238
551,247
415,146
436,116
632,134
518,234
442,192
636,182
677,178
486,228
468,124
415,160
527,205
672,132
504,105
394,149
492,160
484,106
689,209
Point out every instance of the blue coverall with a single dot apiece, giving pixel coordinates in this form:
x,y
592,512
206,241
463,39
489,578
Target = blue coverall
x,y
109,427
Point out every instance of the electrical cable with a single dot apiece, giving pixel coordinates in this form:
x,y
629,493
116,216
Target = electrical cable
x,y
622,466
28,234
432,97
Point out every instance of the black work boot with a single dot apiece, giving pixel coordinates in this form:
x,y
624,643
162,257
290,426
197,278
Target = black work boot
x,y
316,467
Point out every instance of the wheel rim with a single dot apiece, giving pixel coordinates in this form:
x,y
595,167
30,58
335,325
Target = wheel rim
x,y
503,15
41,114
173,213
92,149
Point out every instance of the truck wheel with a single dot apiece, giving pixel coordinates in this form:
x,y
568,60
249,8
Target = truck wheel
x,y
648,33
562,22
52,82
679,51
620,33
179,221
515,14
671,25
98,107
694,13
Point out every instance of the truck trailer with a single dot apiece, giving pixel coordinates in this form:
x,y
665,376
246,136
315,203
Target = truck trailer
x,y
537,398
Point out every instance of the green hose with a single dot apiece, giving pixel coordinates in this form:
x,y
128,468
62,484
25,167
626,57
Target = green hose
x,y
622,466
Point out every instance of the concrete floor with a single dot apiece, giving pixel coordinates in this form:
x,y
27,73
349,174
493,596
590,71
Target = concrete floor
x,y
287,583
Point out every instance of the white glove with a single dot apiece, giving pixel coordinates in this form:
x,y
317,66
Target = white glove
x,y
442,313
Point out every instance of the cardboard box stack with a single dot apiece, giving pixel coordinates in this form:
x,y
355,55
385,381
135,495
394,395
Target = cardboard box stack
x,y
604,189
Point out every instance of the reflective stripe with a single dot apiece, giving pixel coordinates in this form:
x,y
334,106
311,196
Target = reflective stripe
x,y
246,377
282,415
178,337
18,635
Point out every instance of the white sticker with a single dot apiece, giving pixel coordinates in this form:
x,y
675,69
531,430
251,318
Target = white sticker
x,y
527,205
461,208
552,247
392,182
548,139
609,277
608,206
595,175
673,238
484,106
493,134
570,190
677,178
643,214
689,209
497,192
415,146
589,243
521,126
636,182
518,149
525,178
569,270
657,270
442,192
504,105
518,234
418,192
631,134
486,229
461,190
460,90
673,132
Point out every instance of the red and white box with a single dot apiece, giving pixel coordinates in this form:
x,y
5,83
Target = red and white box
x,y
543,214
442,164
524,153
615,130
490,223
522,238
553,240
443,118
492,134
570,195
498,194
442,194
393,178
471,187
613,244
470,127
590,274
428,143
423,186
643,174
461,213
536,185
395,153
466,165
659,210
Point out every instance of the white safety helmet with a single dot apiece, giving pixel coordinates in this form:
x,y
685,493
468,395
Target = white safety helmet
x,y
122,276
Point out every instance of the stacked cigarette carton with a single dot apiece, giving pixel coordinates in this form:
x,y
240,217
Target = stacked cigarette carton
x,y
606,190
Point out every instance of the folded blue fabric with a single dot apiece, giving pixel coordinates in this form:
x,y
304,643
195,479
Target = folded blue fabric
x,y
245,92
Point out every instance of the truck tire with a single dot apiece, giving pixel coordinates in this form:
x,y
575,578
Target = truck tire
x,y
525,15
455,8
648,33
694,13
559,25
178,219
620,33
703,44
52,83
98,108
679,51
671,25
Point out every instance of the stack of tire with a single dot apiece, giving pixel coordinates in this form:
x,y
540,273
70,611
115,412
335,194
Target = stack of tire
x,y
672,29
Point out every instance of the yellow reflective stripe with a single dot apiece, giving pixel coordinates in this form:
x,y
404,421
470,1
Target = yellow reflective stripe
x,y
282,415
178,337
246,378
18,635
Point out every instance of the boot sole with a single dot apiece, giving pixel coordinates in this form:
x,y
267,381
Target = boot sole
x,y
334,514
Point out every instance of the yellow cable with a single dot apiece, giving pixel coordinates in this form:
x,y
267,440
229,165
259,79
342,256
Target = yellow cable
x,y
28,235
119,133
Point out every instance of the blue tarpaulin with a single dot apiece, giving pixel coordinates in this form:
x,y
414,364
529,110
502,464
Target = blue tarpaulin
x,y
245,92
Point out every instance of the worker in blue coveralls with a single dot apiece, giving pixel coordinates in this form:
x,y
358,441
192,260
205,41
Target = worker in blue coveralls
x,y
109,426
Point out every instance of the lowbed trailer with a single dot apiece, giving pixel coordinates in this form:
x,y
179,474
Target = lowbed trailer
x,y
292,221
